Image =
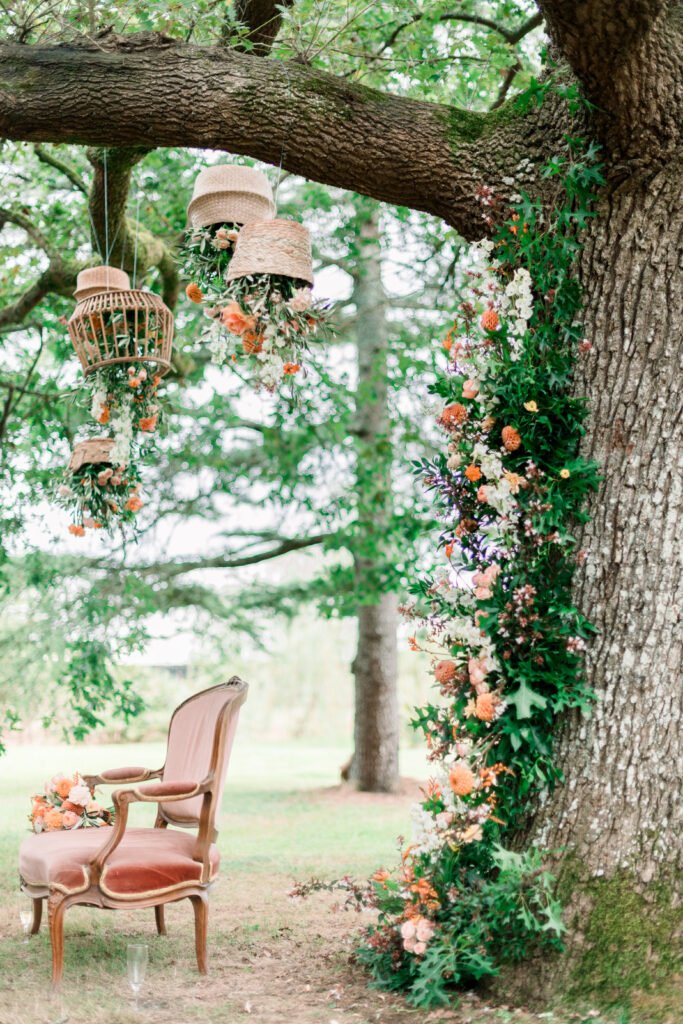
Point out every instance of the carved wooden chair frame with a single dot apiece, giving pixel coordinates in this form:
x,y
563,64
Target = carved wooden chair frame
x,y
59,900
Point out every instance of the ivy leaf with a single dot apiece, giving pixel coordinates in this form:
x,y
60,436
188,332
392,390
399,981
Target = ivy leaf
x,y
554,922
525,699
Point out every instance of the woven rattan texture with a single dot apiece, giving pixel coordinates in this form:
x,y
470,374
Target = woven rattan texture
x,y
273,247
122,327
95,450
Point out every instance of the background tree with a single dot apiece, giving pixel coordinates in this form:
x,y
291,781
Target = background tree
x,y
618,870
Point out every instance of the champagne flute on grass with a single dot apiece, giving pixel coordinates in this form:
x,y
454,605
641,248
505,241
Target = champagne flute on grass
x,y
136,955
26,918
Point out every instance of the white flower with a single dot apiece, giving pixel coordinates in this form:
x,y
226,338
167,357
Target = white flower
x,y
80,795
301,300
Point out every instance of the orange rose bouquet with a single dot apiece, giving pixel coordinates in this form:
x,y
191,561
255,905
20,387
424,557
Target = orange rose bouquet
x,y
67,802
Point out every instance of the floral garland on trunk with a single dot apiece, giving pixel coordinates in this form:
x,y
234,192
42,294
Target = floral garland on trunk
x,y
497,618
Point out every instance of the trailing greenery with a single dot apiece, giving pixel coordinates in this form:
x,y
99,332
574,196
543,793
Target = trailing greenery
x,y
498,619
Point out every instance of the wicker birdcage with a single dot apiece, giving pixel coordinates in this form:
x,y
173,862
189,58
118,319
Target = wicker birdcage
x,y
127,326
95,450
273,247
230,194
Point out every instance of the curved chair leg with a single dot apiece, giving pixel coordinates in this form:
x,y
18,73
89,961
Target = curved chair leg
x,y
201,921
159,917
37,916
56,905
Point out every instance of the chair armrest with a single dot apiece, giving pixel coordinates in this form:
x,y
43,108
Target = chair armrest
x,y
123,776
156,791
151,793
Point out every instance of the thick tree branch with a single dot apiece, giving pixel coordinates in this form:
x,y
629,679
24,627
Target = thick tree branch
x,y
628,54
130,92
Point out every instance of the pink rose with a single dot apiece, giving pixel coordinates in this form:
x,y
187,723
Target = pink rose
x,y
408,930
69,819
420,948
409,945
425,930
476,670
482,593
93,807
470,389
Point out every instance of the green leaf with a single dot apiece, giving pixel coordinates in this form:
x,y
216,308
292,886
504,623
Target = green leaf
x,y
525,699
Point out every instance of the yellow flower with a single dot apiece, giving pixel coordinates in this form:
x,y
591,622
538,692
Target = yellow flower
x,y
565,474
531,406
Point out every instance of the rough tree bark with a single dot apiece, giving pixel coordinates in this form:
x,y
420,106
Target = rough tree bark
x,y
375,667
614,818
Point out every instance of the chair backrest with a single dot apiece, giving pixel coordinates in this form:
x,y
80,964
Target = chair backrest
x,y
200,739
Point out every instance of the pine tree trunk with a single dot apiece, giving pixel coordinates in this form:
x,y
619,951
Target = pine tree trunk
x,y
375,667
614,825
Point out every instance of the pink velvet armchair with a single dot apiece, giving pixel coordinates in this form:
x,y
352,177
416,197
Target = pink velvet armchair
x,y
118,868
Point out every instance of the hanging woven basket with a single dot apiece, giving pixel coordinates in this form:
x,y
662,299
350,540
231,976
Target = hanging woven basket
x,y
273,247
127,326
100,279
96,450
230,194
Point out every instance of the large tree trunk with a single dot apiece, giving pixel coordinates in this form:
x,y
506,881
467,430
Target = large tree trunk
x,y
375,667
614,825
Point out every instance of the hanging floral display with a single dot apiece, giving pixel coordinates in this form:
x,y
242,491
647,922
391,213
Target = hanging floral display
x,y
124,398
264,317
225,196
67,803
97,490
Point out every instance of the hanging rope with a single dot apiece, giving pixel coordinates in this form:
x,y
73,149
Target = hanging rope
x,y
285,132
106,217
137,227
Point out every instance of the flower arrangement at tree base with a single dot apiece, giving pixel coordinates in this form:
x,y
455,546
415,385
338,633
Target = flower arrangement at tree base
x,y
496,616
96,492
66,804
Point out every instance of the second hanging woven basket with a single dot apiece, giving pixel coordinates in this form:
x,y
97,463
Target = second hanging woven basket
x,y
273,247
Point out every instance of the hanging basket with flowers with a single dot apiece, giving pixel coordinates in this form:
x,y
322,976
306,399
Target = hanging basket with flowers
x,y
123,338
117,325
96,490
225,197
266,311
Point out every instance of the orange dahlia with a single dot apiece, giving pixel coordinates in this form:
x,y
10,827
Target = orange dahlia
x,y
445,671
453,414
511,438
461,779
486,707
489,320
53,820
473,473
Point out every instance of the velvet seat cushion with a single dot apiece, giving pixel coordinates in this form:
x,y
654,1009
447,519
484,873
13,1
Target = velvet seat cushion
x,y
146,861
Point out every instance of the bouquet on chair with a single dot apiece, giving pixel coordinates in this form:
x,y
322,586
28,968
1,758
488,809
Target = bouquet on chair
x,y
67,803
